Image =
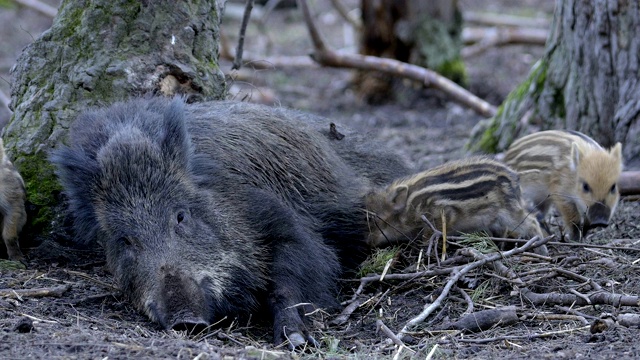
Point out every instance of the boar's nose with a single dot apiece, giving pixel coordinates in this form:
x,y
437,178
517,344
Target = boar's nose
x,y
184,302
190,323
598,215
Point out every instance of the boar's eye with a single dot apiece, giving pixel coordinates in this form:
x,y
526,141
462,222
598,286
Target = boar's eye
x,y
585,187
124,240
181,216
613,188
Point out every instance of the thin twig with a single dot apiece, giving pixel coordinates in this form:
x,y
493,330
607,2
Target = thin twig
x,y
5,100
557,317
237,63
344,12
466,298
382,327
39,320
88,277
459,271
346,312
522,337
575,312
572,275
55,291
556,243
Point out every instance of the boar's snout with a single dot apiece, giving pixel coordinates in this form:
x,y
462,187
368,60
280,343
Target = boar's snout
x,y
598,215
190,323
181,304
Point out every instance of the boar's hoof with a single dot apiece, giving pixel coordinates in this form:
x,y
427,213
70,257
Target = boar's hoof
x,y
192,325
298,341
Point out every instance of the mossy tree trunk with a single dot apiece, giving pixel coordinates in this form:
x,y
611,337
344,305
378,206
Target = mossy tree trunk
x,y
98,52
588,80
421,32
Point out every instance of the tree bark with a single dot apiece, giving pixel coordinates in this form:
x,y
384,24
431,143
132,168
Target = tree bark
x,y
426,33
98,52
588,80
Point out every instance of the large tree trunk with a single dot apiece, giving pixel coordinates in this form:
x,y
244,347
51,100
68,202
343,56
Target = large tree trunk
x,y
421,32
98,52
588,80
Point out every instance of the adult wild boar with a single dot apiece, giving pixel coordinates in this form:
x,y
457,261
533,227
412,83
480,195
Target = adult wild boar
x,y
215,209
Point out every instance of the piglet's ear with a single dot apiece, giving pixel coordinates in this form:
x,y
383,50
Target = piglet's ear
x,y
575,157
616,151
398,197
176,144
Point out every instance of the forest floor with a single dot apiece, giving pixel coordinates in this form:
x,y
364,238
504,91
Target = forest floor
x,y
84,316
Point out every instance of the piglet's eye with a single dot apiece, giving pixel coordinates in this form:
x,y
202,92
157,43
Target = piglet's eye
x,y
585,187
613,188
180,216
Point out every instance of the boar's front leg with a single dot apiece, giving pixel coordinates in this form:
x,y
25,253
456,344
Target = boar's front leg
x,y
303,272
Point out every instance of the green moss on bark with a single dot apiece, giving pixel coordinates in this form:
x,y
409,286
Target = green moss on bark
x,y
439,47
496,134
97,52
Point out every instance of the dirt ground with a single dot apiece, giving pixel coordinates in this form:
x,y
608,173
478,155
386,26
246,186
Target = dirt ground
x,y
86,317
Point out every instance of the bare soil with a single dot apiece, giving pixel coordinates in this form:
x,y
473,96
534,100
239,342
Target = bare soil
x,y
89,318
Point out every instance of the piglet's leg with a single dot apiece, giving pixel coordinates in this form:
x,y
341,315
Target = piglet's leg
x,y
571,218
12,223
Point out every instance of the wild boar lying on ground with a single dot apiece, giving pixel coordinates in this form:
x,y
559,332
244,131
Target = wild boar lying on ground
x,y
571,171
210,210
12,201
476,195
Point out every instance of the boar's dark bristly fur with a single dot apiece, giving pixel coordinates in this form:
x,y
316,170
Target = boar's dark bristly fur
x,y
210,210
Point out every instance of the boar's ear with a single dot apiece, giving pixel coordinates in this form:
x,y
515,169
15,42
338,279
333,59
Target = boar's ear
x,y
398,197
176,142
575,157
77,172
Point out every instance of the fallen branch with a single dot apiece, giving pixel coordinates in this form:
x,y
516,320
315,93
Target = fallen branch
x,y
503,36
483,320
459,271
55,291
327,57
557,243
629,183
471,17
598,298
39,6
